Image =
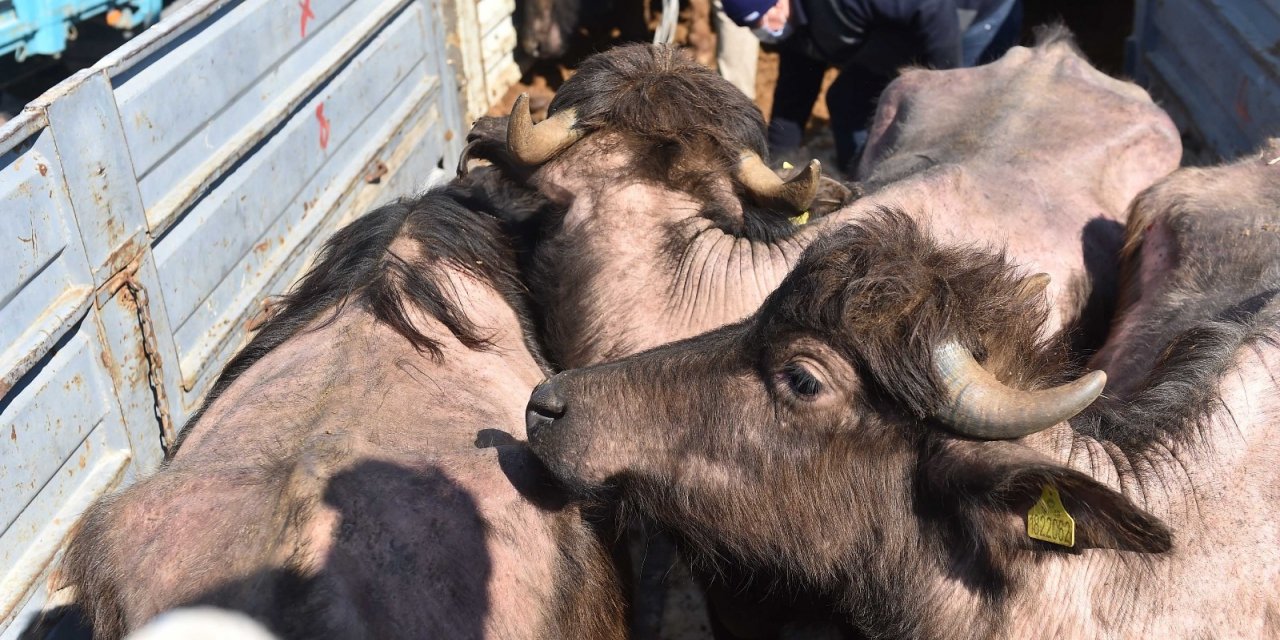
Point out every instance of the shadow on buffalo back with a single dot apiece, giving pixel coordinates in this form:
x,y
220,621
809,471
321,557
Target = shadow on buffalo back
x,y
408,555
371,578
1095,290
525,471
407,337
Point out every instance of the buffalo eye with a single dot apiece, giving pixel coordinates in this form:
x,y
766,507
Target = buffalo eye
x,y
800,381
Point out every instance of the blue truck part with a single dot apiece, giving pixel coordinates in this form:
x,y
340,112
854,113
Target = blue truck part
x,y
43,27
1214,65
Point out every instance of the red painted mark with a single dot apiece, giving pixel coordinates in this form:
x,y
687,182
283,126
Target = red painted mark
x,y
324,126
1242,106
307,14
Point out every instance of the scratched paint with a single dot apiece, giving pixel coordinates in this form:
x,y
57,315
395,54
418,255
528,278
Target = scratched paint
x,y
174,117
44,275
200,293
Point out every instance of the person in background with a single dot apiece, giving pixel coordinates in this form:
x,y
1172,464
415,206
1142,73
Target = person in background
x,y
868,40
737,52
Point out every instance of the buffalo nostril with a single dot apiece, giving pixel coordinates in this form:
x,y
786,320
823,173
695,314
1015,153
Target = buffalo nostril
x,y
545,406
545,401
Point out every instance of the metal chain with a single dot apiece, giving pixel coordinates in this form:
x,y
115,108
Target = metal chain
x,y
155,374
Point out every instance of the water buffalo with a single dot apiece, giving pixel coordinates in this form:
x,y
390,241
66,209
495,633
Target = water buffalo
x,y
670,224
890,428
547,29
357,470
1038,152
544,27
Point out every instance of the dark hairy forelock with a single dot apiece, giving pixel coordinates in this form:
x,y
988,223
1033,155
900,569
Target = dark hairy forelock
x,y
888,293
663,104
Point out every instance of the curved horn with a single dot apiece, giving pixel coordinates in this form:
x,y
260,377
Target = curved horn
x,y
769,190
979,406
536,144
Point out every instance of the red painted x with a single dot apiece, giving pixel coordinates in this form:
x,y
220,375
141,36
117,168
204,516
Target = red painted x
x,y
307,14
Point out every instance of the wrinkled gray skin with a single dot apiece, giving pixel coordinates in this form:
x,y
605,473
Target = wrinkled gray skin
x,y
1038,153
342,472
705,433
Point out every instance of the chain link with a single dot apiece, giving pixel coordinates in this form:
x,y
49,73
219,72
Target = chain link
x,y
155,374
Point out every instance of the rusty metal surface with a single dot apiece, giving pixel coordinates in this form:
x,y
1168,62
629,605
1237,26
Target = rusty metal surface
x,y
64,438
45,282
134,296
481,39
65,444
155,370
97,170
223,251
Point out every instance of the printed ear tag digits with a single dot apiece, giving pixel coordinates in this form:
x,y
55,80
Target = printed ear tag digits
x,y
1049,521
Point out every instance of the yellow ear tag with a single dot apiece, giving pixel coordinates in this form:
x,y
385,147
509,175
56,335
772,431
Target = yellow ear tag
x,y
1049,521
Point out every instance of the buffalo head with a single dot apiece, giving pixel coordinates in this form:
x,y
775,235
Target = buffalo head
x,y
874,410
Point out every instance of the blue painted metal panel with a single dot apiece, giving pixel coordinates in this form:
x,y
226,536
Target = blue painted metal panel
x,y
43,428
57,456
97,169
195,112
65,438
45,284
1215,66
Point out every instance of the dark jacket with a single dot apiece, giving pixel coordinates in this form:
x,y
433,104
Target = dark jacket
x,y
920,31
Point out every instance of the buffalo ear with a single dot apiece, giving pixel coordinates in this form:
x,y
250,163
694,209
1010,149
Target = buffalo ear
x,y
995,484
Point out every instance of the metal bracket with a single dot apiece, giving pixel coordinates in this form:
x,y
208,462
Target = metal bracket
x,y
127,279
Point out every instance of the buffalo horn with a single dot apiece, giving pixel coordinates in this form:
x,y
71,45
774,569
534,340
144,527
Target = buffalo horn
x,y
768,189
1033,286
536,144
979,406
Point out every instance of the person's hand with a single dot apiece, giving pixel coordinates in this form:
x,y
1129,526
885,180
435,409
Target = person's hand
x,y
775,19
